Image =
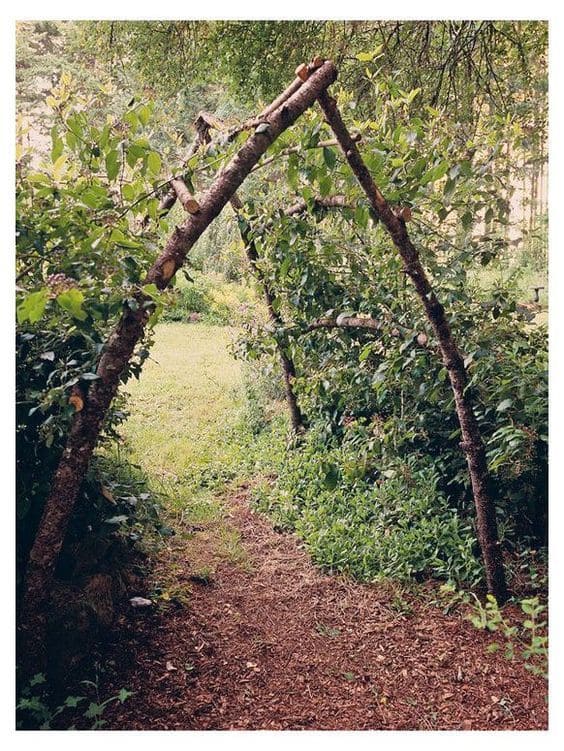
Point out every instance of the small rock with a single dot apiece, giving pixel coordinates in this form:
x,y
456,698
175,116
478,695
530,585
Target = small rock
x,y
140,602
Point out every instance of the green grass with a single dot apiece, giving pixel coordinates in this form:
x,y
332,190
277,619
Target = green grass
x,y
187,431
185,403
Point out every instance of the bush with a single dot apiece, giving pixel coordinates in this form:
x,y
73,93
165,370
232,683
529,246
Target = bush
x,y
373,522
215,300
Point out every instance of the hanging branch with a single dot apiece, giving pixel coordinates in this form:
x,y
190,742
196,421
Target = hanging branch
x,y
118,350
472,443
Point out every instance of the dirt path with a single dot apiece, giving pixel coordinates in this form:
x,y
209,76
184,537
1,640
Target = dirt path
x,y
272,643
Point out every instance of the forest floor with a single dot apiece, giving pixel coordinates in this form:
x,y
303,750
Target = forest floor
x,y
244,631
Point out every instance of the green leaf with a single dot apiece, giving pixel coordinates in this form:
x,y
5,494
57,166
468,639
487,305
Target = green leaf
x,y
435,173
361,216
467,220
151,290
144,114
154,162
37,679
112,164
366,352
38,177
71,301
129,192
329,157
502,407
73,701
59,166
57,149
94,710
33,307
120,238
124,694
325,185
331,478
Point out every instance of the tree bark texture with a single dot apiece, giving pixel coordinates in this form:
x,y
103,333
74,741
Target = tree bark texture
x,y
119,348
472,443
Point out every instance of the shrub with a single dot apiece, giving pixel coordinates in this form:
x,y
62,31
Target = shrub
x,y
215,300
373,522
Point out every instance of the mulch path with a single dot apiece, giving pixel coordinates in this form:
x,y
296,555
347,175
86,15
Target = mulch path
x,y
281,646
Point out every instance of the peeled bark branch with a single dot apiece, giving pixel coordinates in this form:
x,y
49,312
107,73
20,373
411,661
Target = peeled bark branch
x,y
472,444
330,202
297,149
344,322
86,425
184,196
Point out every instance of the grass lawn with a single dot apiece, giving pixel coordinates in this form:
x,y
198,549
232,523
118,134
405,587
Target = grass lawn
x,y
186,402
187,431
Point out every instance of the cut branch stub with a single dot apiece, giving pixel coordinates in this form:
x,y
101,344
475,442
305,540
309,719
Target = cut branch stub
x,y
302,72
184,196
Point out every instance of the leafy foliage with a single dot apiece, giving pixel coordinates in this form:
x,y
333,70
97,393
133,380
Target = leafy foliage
x,y
35,711
524,638
374,522
379,487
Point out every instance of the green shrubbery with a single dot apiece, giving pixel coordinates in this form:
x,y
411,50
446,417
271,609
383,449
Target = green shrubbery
x,y
366,520
211,298
115,509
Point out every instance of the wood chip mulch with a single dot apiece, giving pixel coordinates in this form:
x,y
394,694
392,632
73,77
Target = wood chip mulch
x,y
279,645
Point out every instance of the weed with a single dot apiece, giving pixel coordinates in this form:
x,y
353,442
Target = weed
x,y
34,711
527,640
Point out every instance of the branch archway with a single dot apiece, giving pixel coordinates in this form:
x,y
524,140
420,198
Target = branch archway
x,y
309,87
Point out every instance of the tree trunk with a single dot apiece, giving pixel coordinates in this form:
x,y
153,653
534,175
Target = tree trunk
x,y
86,425
288,367
471,444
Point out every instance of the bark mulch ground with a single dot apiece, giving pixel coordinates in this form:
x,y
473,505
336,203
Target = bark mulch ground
x,y
279,645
